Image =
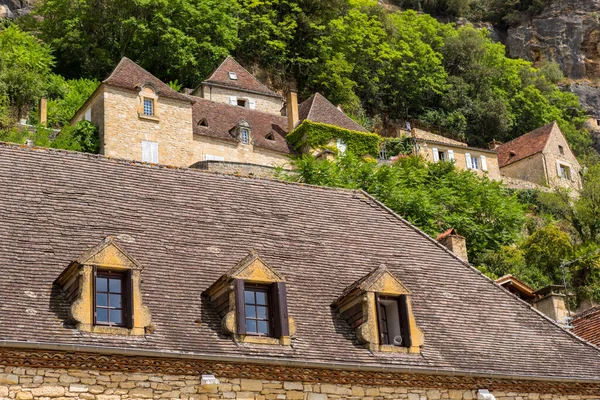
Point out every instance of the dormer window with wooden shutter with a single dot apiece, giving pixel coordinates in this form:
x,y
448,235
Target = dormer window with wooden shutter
x,y
103,290
252,301
379,308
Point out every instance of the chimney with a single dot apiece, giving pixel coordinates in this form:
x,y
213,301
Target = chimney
x,y
43,112
455,243
552,303
292,109
494,144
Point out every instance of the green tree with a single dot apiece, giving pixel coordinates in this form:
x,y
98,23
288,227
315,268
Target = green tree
x,y
545,251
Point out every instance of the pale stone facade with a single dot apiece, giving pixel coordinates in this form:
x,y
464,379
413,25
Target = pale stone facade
x,y
207,148
531,169
260,102
39,383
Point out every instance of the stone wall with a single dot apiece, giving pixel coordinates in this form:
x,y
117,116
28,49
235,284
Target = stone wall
x,y
552,154
63,384
269,104
531,169
425,150
243,169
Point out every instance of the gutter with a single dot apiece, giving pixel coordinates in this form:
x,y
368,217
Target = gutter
x,y
285,362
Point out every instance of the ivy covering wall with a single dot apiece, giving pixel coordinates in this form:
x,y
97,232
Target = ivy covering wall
x,y
316,135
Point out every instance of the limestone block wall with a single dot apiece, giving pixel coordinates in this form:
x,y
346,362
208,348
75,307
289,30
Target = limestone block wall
x,y
63,384
237,152
552,154
242,169
269,104
124,130
530,169
460,160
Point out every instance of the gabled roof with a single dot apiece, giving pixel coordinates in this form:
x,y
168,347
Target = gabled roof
x,y
245,80
188,227
221,118
517,284
432,137
525,146
318,109
129,75
586,325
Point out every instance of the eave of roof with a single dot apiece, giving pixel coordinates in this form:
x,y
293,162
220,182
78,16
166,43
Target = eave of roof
x,y
525,146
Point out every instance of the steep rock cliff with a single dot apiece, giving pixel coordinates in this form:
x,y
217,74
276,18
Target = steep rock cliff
x,y
14,8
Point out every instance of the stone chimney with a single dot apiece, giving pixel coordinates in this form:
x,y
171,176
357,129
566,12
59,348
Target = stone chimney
x,y
494,144
455,243
552,303
292,109
43,112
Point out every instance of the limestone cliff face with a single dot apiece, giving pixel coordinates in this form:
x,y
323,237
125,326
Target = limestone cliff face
x,y
14,8
567,32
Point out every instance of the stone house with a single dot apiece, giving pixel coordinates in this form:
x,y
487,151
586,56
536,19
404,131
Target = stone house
x,y
543,157
123,280
435,148
230,122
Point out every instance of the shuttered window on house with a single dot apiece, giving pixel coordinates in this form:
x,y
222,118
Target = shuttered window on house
x,y
149,152
483,163
393,321
261,309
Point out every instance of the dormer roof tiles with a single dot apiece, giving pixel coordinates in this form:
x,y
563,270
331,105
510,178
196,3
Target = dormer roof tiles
x,y
318,109
525,146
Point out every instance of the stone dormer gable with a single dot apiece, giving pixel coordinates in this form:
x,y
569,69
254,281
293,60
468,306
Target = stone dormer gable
x,y
128,75
378,306
241,318
79,284
527,145
231,74
318,109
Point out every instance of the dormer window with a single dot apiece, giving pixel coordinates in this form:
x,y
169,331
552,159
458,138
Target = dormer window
x,y
233,76
148,99
270,136
378,307
203,122
242,132
245,136
103,289
252,300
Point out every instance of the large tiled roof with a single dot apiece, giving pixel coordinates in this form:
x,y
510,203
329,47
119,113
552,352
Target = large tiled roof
x,y
129,75
221,118
525,146
586,325
187,228
245,80
318,109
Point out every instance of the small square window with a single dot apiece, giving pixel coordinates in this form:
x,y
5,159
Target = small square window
x,y
149,107
233,76
241,103
110,298
561,150
257,309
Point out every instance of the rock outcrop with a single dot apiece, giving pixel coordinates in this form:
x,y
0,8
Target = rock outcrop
x,y
14,8
567,32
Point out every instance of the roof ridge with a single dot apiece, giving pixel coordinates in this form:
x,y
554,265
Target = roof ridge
x,y
230,58
475,270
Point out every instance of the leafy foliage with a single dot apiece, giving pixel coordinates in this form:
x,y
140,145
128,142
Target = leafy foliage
x,y
434,197
317,135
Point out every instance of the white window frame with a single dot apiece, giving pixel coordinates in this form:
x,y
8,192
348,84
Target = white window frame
x,y
233,100
450,155
149,152
568,171
468,161
475,163
233,76
341,146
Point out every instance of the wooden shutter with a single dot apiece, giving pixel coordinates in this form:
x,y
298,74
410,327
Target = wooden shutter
x,y
128,287
436,154
483,163
252,104
154,152
379,320
240,310
280,310
450,155
468,161
404,321
146,152
233,100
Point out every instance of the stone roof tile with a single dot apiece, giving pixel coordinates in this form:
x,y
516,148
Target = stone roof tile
x,y
245,80
318,109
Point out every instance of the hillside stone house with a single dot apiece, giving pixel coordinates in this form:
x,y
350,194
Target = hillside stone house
x,y
543,157
436,148
231,120
121,279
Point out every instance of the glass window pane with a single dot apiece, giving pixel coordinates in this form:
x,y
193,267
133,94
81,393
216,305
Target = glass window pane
x,y
101,315
261,298
261,312
263,327
115,285
249,295
115,301
251,326
101,299
115,317
250,312
101,285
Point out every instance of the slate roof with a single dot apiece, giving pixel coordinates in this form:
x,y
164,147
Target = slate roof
x,y
245,80
221,118
187,228
586,325
129,75
525,146
318,109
